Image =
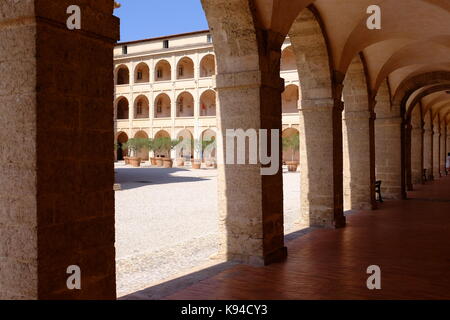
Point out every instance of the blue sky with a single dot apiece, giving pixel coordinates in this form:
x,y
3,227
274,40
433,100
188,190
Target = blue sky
x,y
142,19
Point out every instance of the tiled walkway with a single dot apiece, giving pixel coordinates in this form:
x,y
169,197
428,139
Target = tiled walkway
x,y
409,240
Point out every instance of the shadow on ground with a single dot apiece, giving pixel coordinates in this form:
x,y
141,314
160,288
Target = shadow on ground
x,y
130,178
168,288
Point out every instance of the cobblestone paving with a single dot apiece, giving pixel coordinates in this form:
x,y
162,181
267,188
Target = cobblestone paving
x,y
166,222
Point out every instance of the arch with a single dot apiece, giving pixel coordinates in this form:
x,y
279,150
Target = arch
x,y
322,204
208,66
162,106
123,75
185,105
313,62
208,103
141,107
142,73
185,68
186,149
121,138
358,135
144,152
290,99
288,62
209,135
163,71
288,153
162,134
122,109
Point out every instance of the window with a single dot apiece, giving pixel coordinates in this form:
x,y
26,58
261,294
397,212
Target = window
x,y
180,71
139,108
139,75
124,49
209,38
166,44
159,73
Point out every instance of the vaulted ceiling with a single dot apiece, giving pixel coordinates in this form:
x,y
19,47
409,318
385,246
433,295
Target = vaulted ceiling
x,y
414,40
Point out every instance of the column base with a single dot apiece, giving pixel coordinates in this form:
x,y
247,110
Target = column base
x,y
276,256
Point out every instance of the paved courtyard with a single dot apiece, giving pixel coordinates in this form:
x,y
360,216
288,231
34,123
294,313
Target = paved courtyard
x,y
166,222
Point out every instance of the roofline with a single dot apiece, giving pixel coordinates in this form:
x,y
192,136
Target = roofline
x,y
165,37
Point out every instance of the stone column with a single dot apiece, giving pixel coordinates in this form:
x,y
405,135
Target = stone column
x,y
250,205
428,151
442,154
416,155
57,202
321,199
408,150
436,146
358,140
388,156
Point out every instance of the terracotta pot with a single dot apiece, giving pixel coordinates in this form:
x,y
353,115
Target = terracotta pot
x,y
292,166
127,160
196,164
180,162
159,162
168,163
134,161
153,161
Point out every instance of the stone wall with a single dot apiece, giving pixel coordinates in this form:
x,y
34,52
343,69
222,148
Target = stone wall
x,y
56,103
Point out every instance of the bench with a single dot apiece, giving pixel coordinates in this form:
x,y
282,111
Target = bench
x,y
378,190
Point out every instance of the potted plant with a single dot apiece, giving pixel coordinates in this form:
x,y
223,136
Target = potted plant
x,y
158,149
291,143
167,146
198,152
208,148
135,145
125,156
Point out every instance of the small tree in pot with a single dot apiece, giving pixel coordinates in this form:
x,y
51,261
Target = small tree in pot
x,y
135,145
291,143
198,154
167,145
209,146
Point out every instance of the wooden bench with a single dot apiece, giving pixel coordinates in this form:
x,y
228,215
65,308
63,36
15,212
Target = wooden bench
x,y
378,190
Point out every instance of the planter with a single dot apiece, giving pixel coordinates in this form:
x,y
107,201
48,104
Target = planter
x,y
292,166
167,163
208,163
134,161
180,162
159,162
153,161
127,160
196,164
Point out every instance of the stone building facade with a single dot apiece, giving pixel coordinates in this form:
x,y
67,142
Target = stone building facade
x,y
165,87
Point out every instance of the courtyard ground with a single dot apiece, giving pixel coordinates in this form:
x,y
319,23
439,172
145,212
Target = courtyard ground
x,y
166,222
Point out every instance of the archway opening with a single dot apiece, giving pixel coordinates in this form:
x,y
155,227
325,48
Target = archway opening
x,y
163,71
290,99
122,109
208,66
121,152
185,105
185,69
123,75
208,104
162,106
141,108
288,60
142,73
